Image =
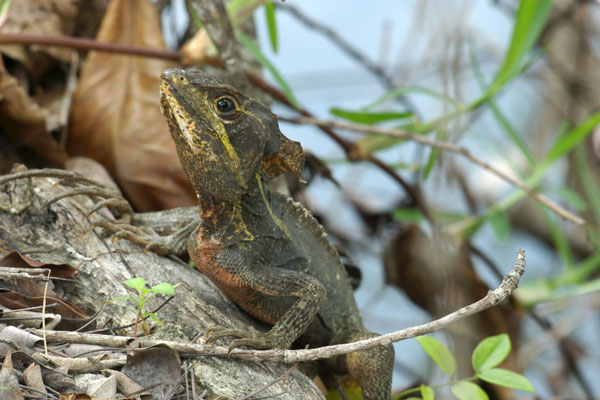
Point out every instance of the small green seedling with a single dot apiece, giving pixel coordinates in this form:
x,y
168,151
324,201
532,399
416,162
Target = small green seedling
x,y
488,354
144,294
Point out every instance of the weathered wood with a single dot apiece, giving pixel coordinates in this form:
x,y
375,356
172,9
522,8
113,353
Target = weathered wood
x,y
66,234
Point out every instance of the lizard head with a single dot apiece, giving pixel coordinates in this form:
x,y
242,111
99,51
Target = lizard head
x,y
223,138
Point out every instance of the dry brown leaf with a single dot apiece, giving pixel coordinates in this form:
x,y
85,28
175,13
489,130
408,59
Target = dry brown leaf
x,y
33,378
156,365
49,17
106,388
15,259
72,317
127,385
90,169
9,381
74,396
115,118
23,123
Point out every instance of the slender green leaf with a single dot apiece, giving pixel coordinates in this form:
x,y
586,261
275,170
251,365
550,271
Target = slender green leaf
x,y
241,10
470,225
500,223
164,288
590,184
4,6
154,317
531,18
364,117
372,143
559,238
506,378
135,283
237,10
408,214
271,23
434,154
498,114
580,272
439,353
567,142
465,390
427,392
490,352
195,18
431,160
249,44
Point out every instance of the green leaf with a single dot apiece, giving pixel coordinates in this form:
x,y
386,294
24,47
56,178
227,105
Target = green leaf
x,y
365,117
500,223
439,353
427,392
154,317
164,288
408,214
241,10
371,143
567,142
4,6
506,378
559,238
271,24
490,352
249,44
589,182
465,390
531,18
433,157
498,114
135,283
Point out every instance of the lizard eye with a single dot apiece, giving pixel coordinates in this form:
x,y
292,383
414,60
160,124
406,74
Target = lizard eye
x,y
225,106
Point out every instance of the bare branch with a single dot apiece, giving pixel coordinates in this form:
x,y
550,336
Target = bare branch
x,y
216,22
400,134
494,297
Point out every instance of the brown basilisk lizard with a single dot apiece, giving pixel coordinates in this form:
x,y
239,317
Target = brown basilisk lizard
x,y
263,250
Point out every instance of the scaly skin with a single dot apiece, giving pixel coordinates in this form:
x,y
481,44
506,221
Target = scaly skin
x,y
263,250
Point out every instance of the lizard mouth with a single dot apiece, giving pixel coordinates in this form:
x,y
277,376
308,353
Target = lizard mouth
x,y
181,105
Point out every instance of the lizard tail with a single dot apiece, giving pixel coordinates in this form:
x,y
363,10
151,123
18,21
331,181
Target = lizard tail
x,y
372,368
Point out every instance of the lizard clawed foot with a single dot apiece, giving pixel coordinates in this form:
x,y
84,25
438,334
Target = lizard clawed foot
x,y
117,206
255,339
142,236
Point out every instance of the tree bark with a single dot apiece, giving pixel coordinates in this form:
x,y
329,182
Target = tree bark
x,y
63,233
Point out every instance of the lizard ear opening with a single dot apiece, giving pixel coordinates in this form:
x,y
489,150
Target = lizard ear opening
x,y
289,157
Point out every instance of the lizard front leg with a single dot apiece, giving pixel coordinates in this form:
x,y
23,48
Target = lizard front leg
x,y
287,299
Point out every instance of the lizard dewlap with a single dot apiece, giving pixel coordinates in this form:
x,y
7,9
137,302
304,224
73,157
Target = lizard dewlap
x,y
263,250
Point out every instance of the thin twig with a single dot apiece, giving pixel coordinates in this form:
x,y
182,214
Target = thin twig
x,y
87,44
494,297
400,134
44,314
